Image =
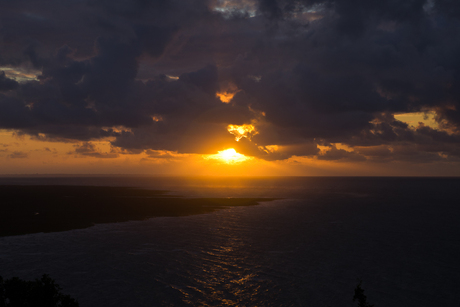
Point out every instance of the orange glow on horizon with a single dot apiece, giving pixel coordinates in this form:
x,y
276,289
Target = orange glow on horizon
x,y
23,154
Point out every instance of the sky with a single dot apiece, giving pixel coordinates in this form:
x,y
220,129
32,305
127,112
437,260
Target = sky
x,y
230,87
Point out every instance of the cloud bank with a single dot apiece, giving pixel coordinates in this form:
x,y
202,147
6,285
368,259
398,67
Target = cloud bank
x,y
314,78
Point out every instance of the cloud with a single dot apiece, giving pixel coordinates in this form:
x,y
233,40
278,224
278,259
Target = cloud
x,y
18,155
88,149
335,154
7,84
156,154
145,74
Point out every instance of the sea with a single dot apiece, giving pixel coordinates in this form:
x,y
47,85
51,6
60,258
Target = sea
x,y
399,237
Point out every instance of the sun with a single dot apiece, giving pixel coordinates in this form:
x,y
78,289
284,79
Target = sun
x,y
228,156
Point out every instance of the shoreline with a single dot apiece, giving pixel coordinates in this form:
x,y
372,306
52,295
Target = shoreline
x,y
28,209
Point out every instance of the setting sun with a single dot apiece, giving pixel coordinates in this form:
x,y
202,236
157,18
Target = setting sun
x,y
228,156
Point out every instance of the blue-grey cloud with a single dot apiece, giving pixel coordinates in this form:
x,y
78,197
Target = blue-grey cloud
x,y
305,72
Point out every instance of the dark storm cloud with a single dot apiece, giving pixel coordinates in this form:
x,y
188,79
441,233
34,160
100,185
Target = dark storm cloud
x,y
7,84
306,72
336,154
359,61
89,150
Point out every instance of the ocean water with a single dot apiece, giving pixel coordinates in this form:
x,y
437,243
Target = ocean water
x,y
400,236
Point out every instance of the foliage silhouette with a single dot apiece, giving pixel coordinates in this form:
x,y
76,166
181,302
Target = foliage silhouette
x,y
360,297
44,292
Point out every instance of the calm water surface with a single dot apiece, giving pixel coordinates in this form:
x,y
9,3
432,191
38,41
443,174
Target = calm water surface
x,y
400,236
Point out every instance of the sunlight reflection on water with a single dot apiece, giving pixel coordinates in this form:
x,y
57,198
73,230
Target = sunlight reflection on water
x,y
304,252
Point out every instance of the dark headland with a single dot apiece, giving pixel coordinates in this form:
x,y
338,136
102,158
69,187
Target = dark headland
x,y
32,209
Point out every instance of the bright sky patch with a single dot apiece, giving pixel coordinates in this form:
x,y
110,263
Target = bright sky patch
x,y
242,131
413,119
225,97
227,7
21,75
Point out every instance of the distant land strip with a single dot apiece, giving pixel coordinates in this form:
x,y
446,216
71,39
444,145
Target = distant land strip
x,y
33,209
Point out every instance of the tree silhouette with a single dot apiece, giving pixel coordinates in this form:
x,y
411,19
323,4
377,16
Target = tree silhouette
x,y
44,292
360,297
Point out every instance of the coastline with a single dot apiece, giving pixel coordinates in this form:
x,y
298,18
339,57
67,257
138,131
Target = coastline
x,y
33,209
